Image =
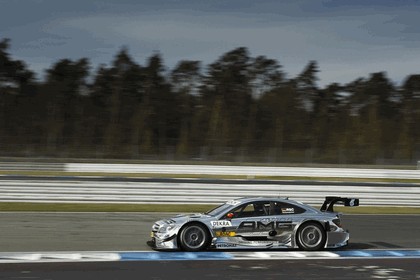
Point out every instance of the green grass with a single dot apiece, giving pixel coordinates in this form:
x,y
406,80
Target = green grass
x,y
178,208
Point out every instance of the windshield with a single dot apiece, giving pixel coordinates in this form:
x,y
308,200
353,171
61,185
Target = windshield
x,y
218,210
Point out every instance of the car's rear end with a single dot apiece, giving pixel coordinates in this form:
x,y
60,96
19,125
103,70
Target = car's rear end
x,y
337,236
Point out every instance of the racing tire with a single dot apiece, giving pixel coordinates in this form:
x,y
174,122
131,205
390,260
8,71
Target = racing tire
x,y
311,237
194,237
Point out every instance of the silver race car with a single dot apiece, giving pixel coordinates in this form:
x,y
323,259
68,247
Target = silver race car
x,y
255,223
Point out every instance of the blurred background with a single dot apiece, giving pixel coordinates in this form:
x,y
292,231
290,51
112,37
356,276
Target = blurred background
x,y
237,108
273,82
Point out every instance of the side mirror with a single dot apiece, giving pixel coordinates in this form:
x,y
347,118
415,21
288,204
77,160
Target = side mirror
x,y
230,215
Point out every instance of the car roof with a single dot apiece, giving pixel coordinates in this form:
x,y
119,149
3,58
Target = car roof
x,y
243,200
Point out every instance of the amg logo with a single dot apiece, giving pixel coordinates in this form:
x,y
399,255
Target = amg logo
x,y
261,226
219,224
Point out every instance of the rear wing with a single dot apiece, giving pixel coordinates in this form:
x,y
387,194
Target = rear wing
x,y
330,201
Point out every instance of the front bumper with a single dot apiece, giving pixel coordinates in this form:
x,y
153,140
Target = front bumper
x,y
163,244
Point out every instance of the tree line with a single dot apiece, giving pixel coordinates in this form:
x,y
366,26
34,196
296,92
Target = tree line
x,y
238,108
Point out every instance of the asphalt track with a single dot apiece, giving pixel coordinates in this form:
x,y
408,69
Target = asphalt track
x,y
279,269
38,231
25,232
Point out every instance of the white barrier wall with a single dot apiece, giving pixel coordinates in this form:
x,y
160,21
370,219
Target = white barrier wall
x,y
196,192
126,191
249,171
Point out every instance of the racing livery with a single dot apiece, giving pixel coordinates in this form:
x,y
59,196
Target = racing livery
x,y
255,223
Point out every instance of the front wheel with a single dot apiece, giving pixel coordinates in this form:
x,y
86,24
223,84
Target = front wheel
x,y
311,237
194,237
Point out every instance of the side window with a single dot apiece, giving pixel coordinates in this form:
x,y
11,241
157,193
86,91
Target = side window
x,y
247,211
254,209
282,208
237,212
261,208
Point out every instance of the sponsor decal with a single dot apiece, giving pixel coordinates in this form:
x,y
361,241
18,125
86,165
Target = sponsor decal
x,y
220,224
225,245
233,202
288,210
225,233
254,233
258,226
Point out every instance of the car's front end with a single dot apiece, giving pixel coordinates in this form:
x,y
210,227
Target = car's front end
x,y
164,233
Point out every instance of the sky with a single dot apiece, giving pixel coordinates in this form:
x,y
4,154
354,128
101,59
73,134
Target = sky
x,y
348,38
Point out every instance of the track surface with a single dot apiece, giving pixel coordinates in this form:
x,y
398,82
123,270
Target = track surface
x,y
25,232
281,269
130,231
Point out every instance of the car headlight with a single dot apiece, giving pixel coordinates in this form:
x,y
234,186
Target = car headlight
x,y
166,228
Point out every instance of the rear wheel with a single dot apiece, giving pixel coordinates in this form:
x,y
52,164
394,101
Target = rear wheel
x,y
194,237
311,237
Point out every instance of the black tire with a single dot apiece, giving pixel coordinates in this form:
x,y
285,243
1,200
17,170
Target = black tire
x,y
194,237
311,237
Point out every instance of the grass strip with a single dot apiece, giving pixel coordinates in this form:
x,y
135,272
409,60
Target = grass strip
x,y
177,208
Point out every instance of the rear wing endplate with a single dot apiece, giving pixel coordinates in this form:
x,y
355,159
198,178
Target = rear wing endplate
x,y
330,201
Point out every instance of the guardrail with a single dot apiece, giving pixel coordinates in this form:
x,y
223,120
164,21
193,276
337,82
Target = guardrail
x,y
114,190
31,166
248,171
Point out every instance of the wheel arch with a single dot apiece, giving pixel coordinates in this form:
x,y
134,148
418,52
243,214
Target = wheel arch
x,y
322,224
178,241
310,221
